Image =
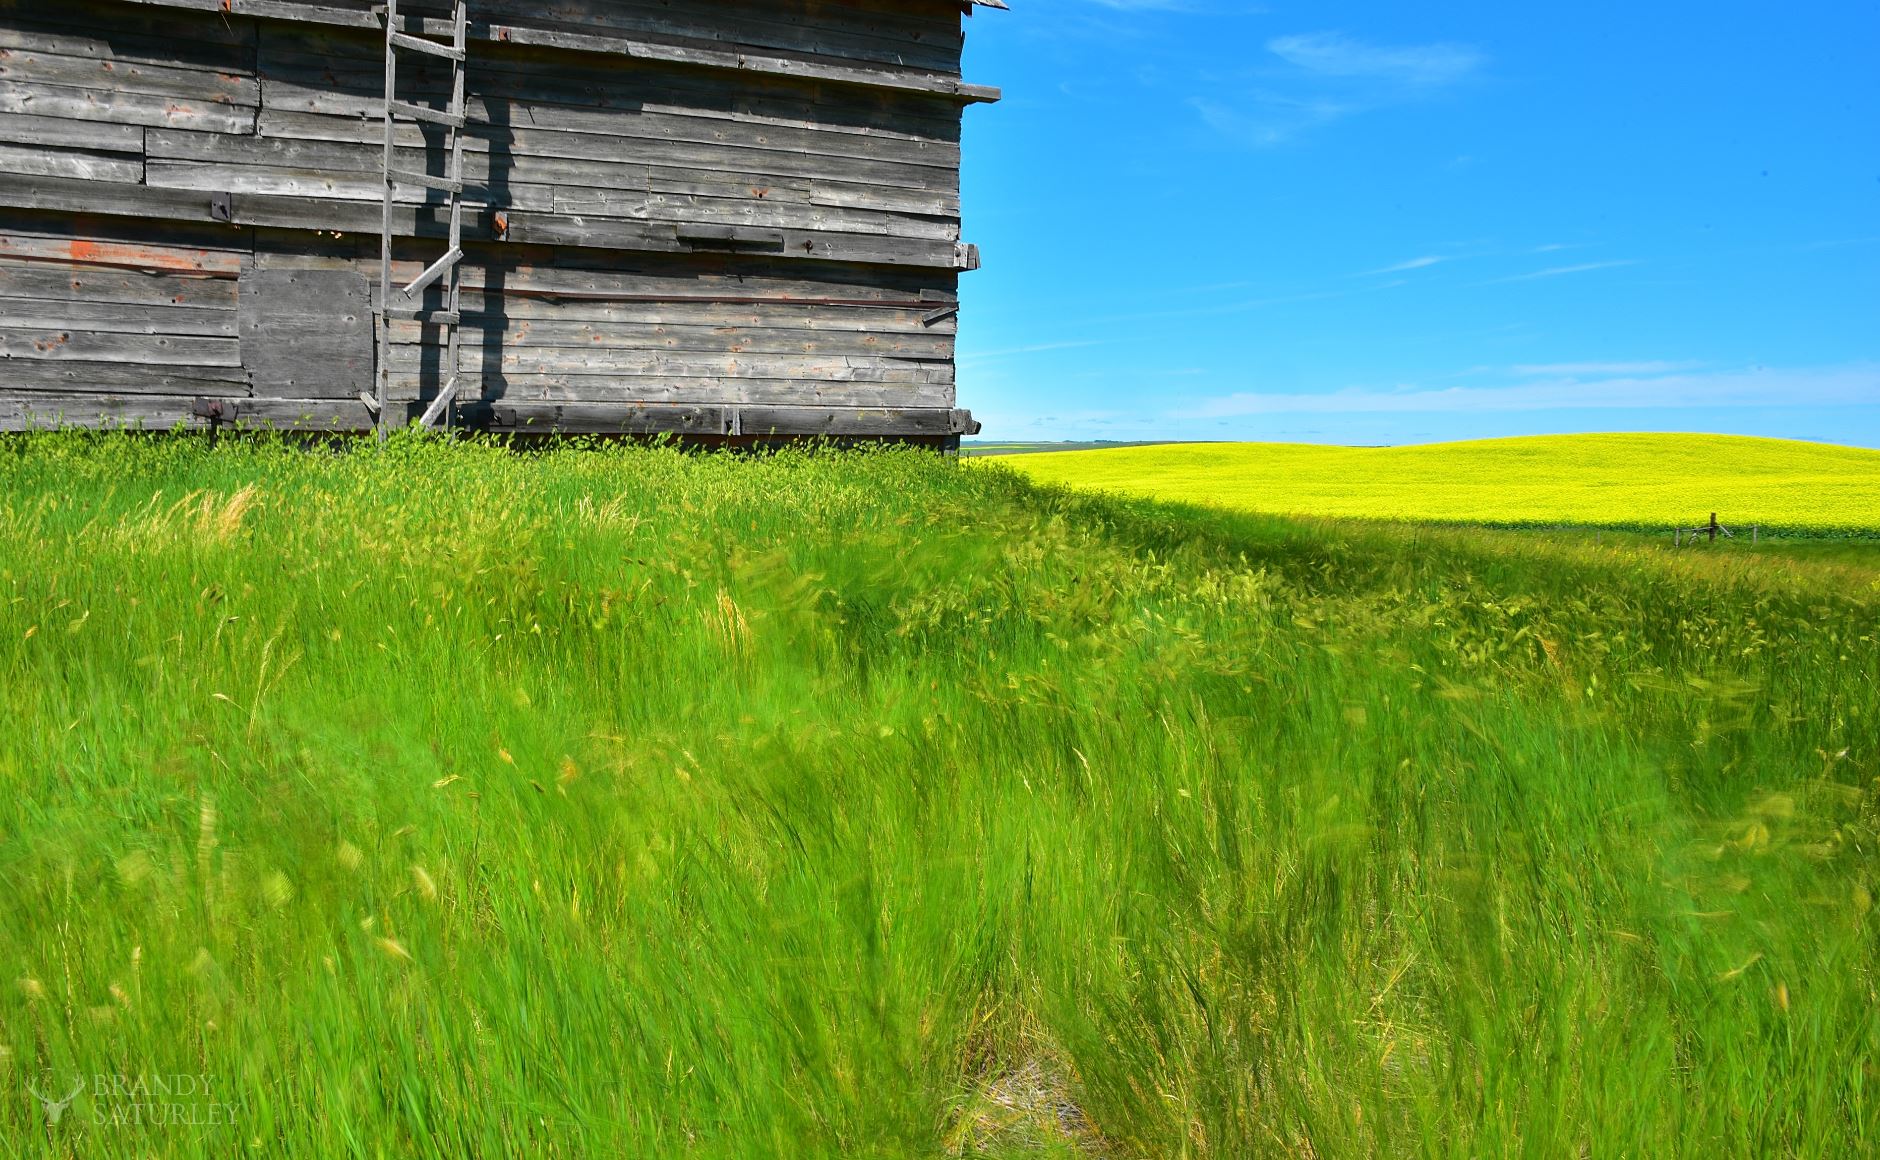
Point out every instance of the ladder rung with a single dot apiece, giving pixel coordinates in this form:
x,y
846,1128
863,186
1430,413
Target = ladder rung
x,y
425,113
412,177
439,405
427,46
461,8
435,271
420,314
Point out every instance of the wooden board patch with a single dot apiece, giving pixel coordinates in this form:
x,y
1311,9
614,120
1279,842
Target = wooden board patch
x,y
306,334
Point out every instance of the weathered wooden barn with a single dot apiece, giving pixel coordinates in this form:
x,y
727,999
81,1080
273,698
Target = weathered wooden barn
x,y
719,219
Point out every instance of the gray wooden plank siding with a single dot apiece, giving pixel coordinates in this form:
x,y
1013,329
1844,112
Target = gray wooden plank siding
x,y
710,217
904,45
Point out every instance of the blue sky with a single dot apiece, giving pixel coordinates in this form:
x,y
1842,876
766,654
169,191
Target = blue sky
x,y
1371,223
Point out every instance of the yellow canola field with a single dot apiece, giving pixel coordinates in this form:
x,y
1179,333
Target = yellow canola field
x,y
1653,481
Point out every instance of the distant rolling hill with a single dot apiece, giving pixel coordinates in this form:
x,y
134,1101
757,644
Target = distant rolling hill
x,y
1630,480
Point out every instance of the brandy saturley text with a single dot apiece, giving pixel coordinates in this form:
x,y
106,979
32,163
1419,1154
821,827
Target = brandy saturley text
x,y
115,1099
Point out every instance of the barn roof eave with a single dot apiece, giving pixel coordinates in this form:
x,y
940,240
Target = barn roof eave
x,y
731,58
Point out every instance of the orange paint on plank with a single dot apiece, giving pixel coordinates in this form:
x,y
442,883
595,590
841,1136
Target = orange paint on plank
x,y
155,257
123,255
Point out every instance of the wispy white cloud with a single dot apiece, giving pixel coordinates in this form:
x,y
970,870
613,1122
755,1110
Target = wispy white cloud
x,y
1035,348
1227,306
1334,54
1856,384
1263,118
1480,250
1422,263
1314,79
1561,271
1574,370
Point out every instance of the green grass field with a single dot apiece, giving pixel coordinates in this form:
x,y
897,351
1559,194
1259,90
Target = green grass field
x,y
443,801
1653,482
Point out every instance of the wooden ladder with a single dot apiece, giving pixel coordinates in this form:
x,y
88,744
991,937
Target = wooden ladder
x,y
408,302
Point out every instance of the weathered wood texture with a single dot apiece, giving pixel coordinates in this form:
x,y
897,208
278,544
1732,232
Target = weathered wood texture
x,y
732,217
570,148
896,45
306,333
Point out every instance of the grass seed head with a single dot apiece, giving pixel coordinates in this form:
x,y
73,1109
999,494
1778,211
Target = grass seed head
x,y
134,867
